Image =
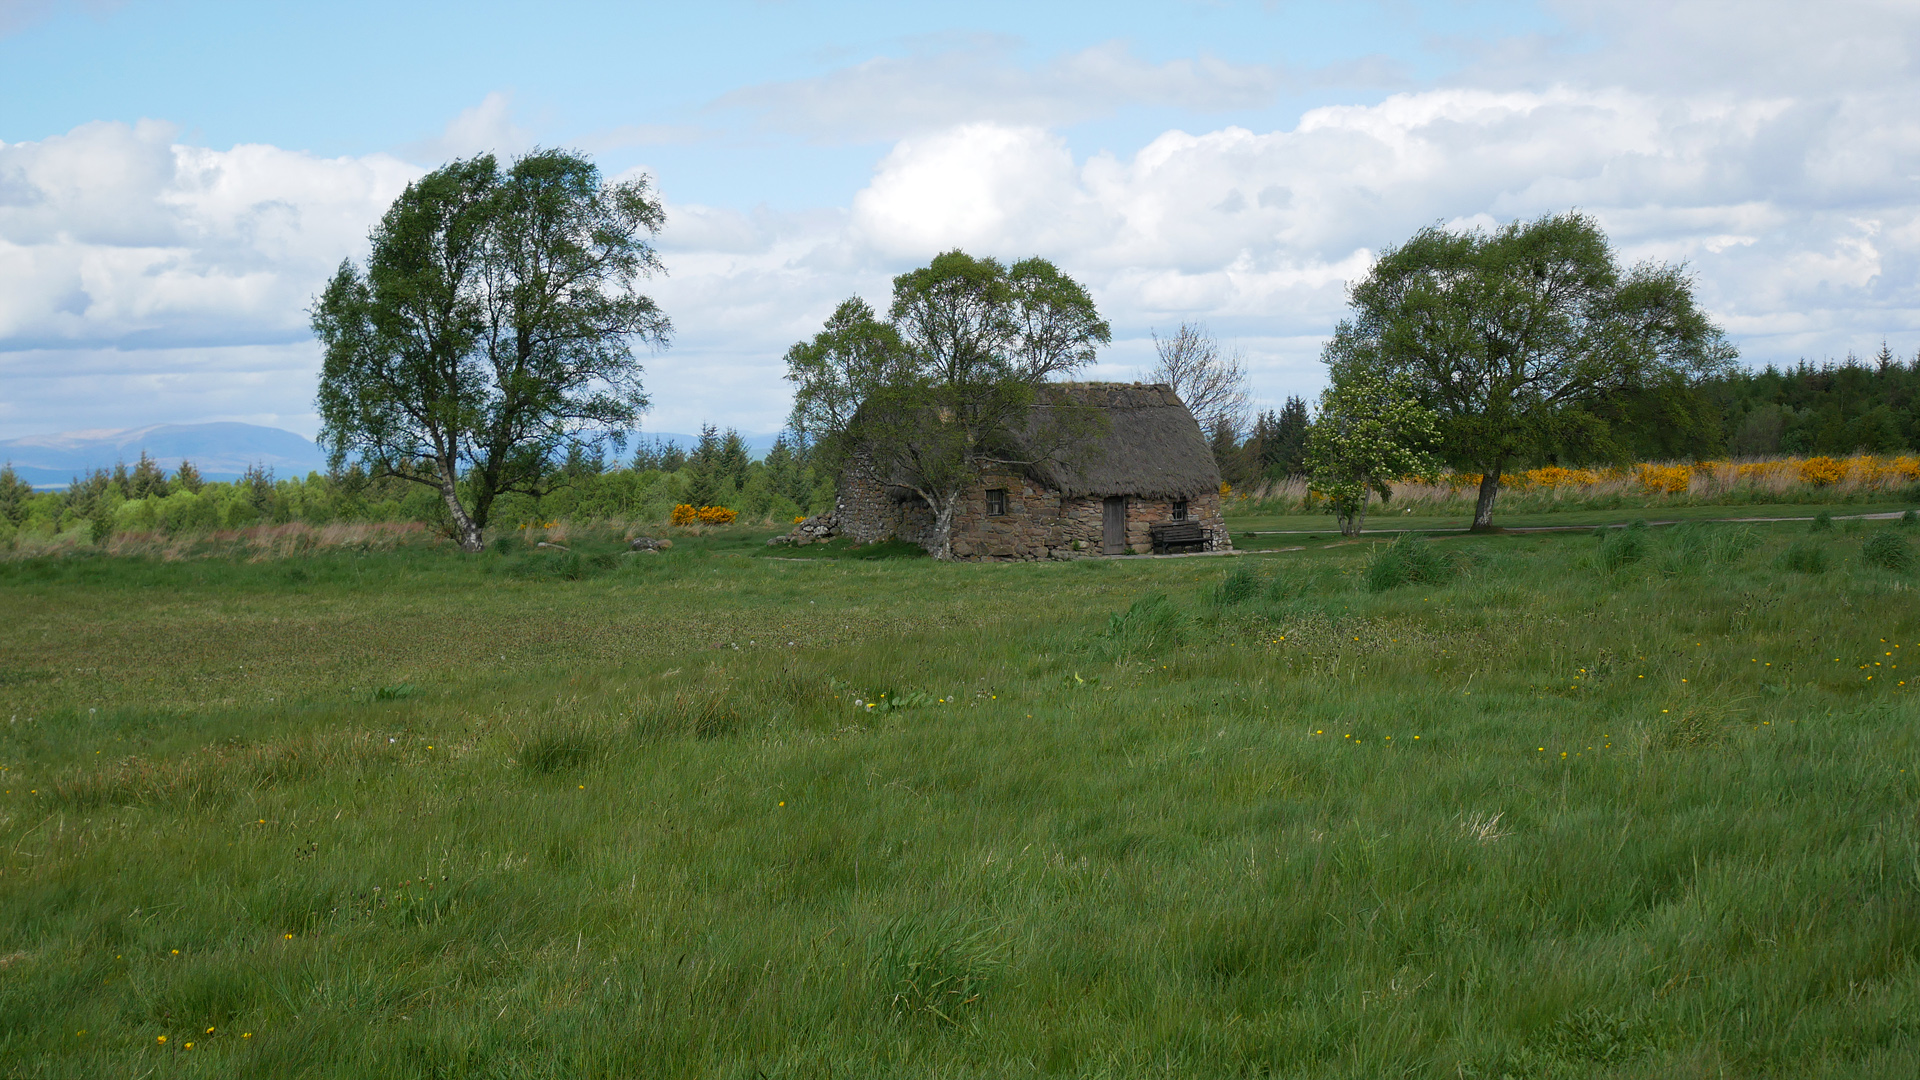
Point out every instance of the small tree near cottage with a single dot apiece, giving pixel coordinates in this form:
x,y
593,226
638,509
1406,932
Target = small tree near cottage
x,y
1370,432
946,387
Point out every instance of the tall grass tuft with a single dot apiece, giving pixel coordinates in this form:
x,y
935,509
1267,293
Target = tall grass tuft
x,y
1889,551
1239,586
1804,557
936,971
1822,522
1409,560
1694,546
1150,623
1620,548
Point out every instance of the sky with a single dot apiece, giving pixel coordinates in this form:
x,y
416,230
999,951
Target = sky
x,y
178,179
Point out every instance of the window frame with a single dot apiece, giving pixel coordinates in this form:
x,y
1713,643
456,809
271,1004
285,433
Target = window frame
x,y
997,496
1180,511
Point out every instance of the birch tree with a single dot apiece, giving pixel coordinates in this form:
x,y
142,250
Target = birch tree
x,y
947,386
1519,339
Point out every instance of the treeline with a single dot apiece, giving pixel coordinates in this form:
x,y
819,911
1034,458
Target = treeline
x,y
144,498
1854,406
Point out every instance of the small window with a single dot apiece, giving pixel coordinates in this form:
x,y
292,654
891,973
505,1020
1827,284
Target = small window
x,y
1180,510
996,501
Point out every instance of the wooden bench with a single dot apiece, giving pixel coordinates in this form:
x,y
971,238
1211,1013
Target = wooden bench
x,y
1171,536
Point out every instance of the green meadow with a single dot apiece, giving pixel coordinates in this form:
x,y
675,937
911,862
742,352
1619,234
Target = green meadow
x,y
1643,803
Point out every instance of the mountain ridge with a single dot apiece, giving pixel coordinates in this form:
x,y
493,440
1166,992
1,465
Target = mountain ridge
x,y
219,451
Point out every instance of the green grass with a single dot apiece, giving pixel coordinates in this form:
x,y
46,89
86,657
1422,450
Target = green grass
x,y
1518,808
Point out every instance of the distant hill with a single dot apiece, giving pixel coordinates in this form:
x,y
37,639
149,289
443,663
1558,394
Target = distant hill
x,y
219,451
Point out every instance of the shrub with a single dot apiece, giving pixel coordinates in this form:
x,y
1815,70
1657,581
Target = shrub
x,y
1909,519
1407,561
1822,522
1804,557
1889,551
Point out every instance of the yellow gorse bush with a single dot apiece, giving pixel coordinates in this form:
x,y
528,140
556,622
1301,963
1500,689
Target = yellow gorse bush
x,y
1823,471
687,514
1664,479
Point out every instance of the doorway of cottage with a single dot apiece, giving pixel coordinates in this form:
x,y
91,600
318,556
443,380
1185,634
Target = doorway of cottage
x,y
1113,539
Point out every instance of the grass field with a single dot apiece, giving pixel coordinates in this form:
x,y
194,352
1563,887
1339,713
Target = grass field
x,y
1541,805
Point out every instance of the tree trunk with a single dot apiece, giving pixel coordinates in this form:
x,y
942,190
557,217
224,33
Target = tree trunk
x,y
1350,519
1483,508
464,529
940,544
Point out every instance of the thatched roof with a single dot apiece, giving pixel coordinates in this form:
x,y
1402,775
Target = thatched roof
x,y
1152,446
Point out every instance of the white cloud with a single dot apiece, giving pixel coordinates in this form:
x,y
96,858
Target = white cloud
x,y
891,97
486,128
116,234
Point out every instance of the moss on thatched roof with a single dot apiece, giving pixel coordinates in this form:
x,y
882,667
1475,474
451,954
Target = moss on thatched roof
x,y
1151,447
1135,439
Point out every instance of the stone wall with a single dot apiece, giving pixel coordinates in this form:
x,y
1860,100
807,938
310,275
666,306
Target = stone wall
x,y
861,507
1038,524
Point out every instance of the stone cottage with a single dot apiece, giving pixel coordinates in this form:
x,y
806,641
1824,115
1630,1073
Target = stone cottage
x,y
1147,480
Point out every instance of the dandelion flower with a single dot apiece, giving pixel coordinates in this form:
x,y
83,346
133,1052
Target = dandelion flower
x,y
162,1038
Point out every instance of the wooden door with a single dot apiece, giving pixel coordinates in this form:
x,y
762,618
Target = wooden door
x,y
1113,539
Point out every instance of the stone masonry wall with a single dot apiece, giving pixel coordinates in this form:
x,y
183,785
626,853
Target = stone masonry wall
x,y
861,508
1038,524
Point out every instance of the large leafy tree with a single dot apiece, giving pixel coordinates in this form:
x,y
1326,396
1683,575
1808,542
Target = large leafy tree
x,y
492,329
947,386
1522,339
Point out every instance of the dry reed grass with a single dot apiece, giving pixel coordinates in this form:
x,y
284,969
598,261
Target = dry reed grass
x,y
260,542
1693,482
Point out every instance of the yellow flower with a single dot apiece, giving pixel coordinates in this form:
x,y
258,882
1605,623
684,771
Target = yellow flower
x,y
162,1038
